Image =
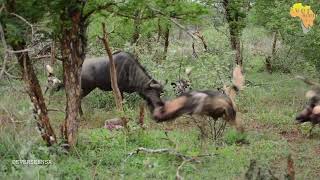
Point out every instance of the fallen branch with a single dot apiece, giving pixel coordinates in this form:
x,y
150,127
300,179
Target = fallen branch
x,y
161,151
178,176
179,155
307,81
19,51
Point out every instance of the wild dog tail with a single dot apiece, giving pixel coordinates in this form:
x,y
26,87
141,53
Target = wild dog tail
x,y
237,78
308,81
237,83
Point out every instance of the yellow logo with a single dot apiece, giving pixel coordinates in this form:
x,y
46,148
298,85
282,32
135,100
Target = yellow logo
x,y
305,14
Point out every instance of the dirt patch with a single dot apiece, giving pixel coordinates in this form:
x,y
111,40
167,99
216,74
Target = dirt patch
x,y
317,151
4,119
255,125
292,135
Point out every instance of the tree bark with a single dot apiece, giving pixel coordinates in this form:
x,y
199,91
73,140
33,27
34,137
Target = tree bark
x,y
34,91
113,75
73,45
274,44
234,34
112,71
35,94
159,30
270,59
201,37
136,27
166,42
5,57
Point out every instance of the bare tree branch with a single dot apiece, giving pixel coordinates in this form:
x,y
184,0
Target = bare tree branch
x,y
5,57
19,51
27,22
99,8
175,22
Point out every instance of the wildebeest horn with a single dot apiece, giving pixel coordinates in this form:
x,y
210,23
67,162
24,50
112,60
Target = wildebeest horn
x,y
157,86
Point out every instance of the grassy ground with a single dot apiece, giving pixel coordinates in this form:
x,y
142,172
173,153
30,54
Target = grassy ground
x,y
267,106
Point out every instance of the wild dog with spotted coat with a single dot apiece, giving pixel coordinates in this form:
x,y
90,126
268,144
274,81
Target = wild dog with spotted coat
x,y
215,104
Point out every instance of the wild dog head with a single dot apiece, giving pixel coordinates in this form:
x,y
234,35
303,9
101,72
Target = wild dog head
x,y
311,112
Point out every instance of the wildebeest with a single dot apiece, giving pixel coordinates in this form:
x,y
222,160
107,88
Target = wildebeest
x,y
132,77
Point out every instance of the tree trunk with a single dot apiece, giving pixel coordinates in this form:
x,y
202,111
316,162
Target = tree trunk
x,y
201,37
35,94
271,58
112,71
113,76
268,64
5,56
274,44
136,27
166,42
238,51
73,45
234,31
159,30
53,53
34,91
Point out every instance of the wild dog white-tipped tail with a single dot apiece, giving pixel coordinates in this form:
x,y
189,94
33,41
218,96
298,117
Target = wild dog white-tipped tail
x,y
310,94
238,78
49,69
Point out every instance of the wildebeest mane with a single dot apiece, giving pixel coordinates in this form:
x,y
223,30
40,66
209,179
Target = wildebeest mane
x,y
136,61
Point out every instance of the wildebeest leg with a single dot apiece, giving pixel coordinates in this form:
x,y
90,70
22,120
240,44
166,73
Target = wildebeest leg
x,y
84,93
121,93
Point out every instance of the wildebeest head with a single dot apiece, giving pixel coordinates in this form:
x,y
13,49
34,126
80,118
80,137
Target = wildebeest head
x,y
311,112
151,93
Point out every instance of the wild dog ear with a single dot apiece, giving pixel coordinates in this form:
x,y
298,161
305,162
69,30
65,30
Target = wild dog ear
x,y
173,84
310,94
316,110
